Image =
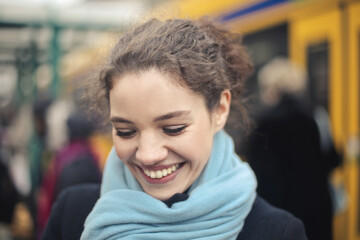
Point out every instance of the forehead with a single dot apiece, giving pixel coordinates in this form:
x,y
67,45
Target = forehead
x,y
151,89
149,79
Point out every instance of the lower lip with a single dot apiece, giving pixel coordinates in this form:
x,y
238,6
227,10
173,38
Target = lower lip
x,y
162,180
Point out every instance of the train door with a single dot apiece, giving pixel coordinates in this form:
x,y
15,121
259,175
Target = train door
x,y
316,44
352,19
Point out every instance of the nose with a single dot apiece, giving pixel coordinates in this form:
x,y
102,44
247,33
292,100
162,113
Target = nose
x,y
150,150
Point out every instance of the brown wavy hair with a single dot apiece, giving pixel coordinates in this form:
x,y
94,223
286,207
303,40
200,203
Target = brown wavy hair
x,y
201,54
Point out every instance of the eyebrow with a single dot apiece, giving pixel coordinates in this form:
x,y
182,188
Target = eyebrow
x,y
176,114
120,120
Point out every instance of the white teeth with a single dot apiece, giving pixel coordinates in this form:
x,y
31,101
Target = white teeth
x,y
158,174
161,173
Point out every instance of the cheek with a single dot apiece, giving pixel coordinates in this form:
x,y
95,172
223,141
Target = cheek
x,y
123,149
196,149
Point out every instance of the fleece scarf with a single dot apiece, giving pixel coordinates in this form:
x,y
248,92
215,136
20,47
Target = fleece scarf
x,y
219,201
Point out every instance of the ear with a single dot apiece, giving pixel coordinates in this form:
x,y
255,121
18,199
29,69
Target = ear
x,y
221,112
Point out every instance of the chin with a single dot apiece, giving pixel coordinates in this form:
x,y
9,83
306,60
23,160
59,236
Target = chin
x,y
162,195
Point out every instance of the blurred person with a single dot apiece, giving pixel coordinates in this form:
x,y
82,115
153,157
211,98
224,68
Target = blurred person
x,y
80,162
16,139
38,154
291,161
23,145
9,195
172,172
74,163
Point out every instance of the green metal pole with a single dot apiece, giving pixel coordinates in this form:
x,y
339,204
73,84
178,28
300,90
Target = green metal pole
x,y
55,52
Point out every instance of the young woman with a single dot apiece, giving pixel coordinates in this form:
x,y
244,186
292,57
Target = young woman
x,y
173,172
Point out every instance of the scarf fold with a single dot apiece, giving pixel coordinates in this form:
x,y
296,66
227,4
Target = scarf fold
x,y
219,201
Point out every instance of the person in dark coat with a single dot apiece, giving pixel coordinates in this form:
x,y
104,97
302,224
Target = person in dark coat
x,y
285,152
73,164
263,222
172,172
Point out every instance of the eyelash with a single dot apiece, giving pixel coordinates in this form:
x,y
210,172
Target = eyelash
x,y
167,130
174,131
125,134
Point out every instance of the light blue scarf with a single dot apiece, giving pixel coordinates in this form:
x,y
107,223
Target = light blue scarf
x,y
219,201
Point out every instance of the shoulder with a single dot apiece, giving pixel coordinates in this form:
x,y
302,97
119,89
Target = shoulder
x,y
81,197
267,222
70,211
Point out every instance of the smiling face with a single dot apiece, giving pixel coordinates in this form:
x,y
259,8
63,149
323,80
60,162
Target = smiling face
x,y
162,131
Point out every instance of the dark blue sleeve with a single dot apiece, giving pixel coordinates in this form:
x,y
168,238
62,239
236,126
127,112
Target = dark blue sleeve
x,y
294,230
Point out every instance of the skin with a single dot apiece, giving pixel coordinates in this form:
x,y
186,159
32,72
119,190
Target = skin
x,y
158,124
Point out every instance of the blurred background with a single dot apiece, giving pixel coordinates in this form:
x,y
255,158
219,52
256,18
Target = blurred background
x,y
49,47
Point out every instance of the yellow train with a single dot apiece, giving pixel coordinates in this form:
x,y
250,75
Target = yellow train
x,y
324,37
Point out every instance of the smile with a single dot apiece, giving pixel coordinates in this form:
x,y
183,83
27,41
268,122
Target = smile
x,y
161,172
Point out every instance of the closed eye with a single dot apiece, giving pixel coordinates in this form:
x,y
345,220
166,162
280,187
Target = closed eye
x,y
174,130
125,133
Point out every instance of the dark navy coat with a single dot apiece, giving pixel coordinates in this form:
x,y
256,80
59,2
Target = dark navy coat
x,y
264,221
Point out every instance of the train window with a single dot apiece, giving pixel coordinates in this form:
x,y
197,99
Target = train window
x,y
318,70
263,46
